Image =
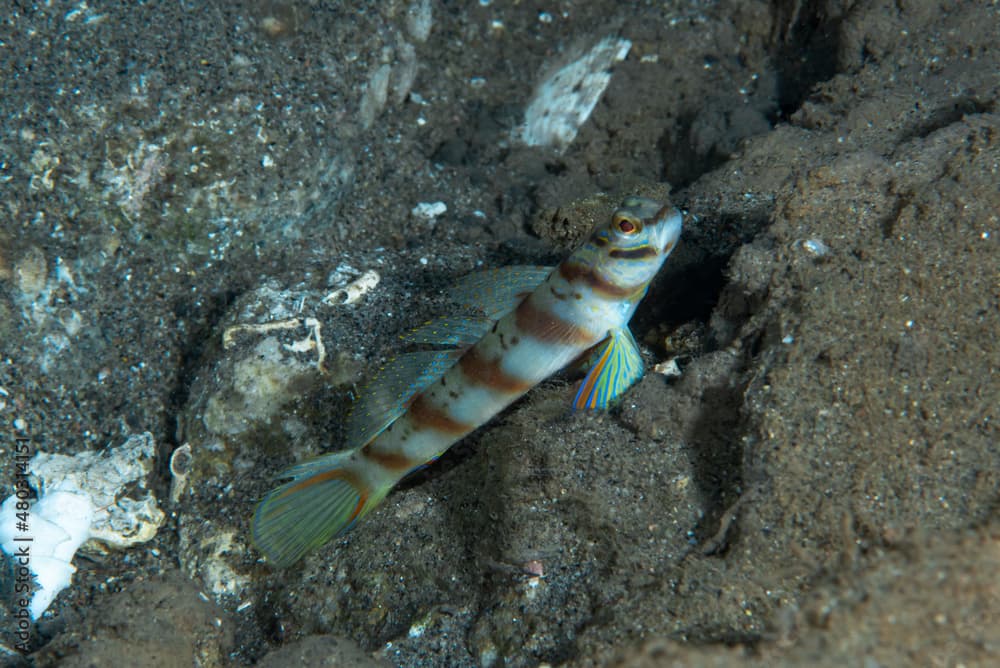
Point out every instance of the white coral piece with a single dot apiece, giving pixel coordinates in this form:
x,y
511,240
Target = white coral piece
x,y
79,498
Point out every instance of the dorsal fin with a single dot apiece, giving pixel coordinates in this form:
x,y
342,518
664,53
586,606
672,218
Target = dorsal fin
x,y
492,293
385,398
496,292
449,331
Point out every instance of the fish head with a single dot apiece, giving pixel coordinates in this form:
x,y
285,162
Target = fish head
x,y
629,249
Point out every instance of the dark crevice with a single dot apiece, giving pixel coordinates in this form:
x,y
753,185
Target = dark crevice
x,y
705,138
805,52
683,162
682,296
888,223
201,316
694,279
192,355
698,289
716,451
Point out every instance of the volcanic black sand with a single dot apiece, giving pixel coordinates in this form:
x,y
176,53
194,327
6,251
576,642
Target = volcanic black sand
x,y
818,486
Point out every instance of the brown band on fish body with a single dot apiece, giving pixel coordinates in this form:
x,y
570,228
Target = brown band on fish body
x,y
423,414
572,271
640,253
543,326
394,461
487,373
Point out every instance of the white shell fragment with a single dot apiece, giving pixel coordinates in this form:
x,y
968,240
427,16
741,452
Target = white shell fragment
x,y
668,368
429,210
564,99
79,498
354,291
180,468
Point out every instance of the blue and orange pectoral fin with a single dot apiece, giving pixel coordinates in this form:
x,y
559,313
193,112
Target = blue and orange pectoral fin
x,y
324,499
617,368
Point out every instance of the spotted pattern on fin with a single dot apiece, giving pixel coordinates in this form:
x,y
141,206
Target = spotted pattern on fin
x,y
496,292
388,394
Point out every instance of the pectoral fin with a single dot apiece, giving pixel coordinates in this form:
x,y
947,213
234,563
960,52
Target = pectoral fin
x,y
617,368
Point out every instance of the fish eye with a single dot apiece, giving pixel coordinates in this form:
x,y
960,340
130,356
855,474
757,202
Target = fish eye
x,y
627,225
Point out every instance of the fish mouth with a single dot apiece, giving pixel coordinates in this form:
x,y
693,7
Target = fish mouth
x,y
669,222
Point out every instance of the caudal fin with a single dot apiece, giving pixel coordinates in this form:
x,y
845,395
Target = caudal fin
x,y
324,498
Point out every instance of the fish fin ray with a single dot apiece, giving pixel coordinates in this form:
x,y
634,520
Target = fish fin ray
x,y
385,398
449,331
496,292
323,499
617,368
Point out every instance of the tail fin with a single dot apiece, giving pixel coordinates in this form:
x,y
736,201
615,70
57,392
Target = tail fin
x,y
324,499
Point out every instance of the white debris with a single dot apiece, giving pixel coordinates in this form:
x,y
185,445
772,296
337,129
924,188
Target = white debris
x,y
405,73
374,98
133,181
79,498
180,468
59,524
30,272
417,630
420,19
564,99
354,291
342,274
230,333
815,247
313,341
63,274
669,368
208,561
71,320
429,210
